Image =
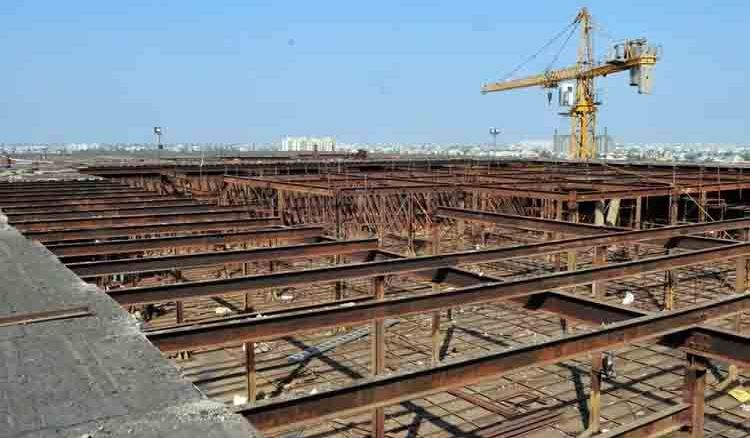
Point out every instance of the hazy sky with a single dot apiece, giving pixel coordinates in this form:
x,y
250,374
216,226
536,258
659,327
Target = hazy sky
x,y
408,71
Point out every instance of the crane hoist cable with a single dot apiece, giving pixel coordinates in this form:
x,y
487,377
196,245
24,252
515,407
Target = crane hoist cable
x,y
523,64
562,47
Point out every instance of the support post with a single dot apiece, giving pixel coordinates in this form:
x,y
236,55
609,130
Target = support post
x,y
339,235
476,227
694,393
674,203
558,216
250,377
378,355
599,208
337,208
595,398
435,337
740,287
637,224
461,224
281,206
600,259
247,301
179,312
435,331
410,223
179,309
669,290
573,217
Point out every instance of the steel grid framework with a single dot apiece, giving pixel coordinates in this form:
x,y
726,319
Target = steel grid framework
x,y
436,195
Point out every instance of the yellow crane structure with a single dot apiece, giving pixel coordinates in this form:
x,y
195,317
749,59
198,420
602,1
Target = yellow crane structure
x,y
636,56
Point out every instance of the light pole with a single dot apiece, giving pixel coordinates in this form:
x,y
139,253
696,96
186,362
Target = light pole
x,y
494,133
159,147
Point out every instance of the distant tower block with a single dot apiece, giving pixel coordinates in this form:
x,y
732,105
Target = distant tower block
x,y
308,144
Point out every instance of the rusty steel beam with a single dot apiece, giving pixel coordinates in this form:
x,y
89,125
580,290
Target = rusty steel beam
x,y
713,343
156,294
36,187
447,260
117,194
670,236
268,328
153,264
604,235
91,201
21,193
189,207
138,230
279,185
61,183
499,190
634,193
523,222
707,341
217,213
690,242
46,209
400,387
14,189
396,190
710,342
191,241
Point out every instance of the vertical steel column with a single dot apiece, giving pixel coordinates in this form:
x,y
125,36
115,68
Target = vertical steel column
x,y
669,290
382,216
484,198
637,224
435,332
558,236
694,393
740,287
281,206
600,259
271,269
475,226
250,377
339,288
378,355
337,212
410,222
179,309
247,301
595,398
573,217
674,203
460,223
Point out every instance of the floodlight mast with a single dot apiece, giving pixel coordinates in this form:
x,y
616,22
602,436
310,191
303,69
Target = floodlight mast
x,y
494,132
159,146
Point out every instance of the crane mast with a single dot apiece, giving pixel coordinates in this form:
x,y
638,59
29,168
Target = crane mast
x,y
636,56
582,143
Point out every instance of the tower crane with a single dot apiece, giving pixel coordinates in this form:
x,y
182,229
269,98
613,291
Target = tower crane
x,y
636,56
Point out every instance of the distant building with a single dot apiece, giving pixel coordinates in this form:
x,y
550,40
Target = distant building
x,y
308,144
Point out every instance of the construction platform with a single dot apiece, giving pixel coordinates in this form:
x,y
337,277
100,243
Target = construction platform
x,y
411,298
74,364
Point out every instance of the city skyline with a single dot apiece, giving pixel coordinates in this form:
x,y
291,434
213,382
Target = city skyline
x,y
85,71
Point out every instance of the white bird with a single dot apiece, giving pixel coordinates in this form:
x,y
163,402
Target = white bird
x,y
629,298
